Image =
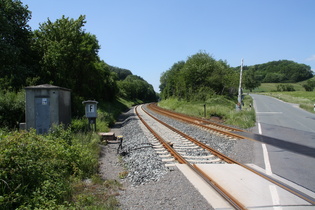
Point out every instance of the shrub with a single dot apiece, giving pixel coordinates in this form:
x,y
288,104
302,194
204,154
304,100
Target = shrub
x,y
12,109
309,86
285,87
36,170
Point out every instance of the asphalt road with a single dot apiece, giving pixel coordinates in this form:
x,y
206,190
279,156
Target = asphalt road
x,y
292,154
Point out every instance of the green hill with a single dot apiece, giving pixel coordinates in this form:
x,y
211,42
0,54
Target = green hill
x,y
282,71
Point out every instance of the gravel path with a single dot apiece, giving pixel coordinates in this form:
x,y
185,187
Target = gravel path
x,y
149,184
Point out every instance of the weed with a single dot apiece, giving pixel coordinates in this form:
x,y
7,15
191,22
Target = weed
x,y
218,106
123,174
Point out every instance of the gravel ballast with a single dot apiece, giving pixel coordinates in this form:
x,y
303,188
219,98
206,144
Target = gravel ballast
x,y
151,185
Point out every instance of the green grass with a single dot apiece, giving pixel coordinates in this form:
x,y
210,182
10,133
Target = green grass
x,y
217,106
107,113
305,99
50,171
272,87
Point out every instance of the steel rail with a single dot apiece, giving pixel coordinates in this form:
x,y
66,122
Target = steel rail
x,y
230,160
154,106
226,195
192,120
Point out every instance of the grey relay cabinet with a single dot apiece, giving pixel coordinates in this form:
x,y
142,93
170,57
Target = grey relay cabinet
x,y
91,112
47,105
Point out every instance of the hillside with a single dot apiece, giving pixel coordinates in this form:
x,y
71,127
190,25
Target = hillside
x,y
280,71
272,87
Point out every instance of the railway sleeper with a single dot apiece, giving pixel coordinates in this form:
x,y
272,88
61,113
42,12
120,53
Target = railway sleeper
x,y
186,147
209,156
204,161
168,160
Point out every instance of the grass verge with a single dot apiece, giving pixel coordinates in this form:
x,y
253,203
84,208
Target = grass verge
x,y
218,106
58,170
305,99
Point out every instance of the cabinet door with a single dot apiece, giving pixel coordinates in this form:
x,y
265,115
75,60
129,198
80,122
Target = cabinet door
x,y
42,112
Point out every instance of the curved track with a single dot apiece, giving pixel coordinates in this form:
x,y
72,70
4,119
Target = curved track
x,y
223,129
226,195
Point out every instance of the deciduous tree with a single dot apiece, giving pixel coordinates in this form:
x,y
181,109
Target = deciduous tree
x,y
15,41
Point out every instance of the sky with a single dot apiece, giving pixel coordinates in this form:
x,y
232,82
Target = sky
x,y
148,36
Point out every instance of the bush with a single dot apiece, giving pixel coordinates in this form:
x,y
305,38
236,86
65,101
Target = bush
x,y
36,170
285,87
309,86
218,106
12,109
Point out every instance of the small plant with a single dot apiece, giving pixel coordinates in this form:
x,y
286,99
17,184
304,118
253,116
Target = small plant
x,y
285,87
123,174
218,106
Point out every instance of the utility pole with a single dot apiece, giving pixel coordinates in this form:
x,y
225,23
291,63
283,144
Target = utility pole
x,y
239,102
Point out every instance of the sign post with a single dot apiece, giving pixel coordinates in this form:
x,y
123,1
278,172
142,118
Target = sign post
x,y
91,112
239,101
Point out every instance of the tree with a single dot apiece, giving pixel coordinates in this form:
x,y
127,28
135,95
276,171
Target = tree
x,y
282,71
15,41
169,81
309,86
251,80
198,78
134,87
121,73
201,70
69,57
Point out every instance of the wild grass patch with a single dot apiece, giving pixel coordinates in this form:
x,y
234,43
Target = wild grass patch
x,y
305,99
217,106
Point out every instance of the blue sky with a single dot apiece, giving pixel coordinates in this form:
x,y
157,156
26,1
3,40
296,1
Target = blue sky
x,y
149,36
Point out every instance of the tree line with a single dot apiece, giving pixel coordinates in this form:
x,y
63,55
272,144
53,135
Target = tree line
x,y
61,53
201,76
282,71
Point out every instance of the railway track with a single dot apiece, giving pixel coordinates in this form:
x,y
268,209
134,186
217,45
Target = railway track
x,y
184,149
178,148
206,124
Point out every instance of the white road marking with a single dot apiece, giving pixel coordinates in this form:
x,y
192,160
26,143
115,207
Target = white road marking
x,y
266,159
259,129
275,197
269,112
272,188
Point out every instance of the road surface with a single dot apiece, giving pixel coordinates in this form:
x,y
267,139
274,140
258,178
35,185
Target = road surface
x,y
292,156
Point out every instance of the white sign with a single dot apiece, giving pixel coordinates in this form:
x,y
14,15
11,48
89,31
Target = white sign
x,y
91,108
44,101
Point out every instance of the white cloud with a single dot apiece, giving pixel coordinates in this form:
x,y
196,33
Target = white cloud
x,y
311,58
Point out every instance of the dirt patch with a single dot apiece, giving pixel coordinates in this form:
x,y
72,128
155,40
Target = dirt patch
x,y
216,119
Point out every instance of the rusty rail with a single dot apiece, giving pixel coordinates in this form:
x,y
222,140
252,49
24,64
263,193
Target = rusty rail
x,y
198,122
227,196
229,160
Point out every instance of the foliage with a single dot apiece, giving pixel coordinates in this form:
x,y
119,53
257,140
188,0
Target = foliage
x,y
12,109
36,170
218,106
121,73
198,78
280,71
285,87
15,40
61,53
309,86
251,79
305,99
68,58
134,87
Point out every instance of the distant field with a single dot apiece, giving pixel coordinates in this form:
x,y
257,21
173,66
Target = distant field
x,y
272,87
305,99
